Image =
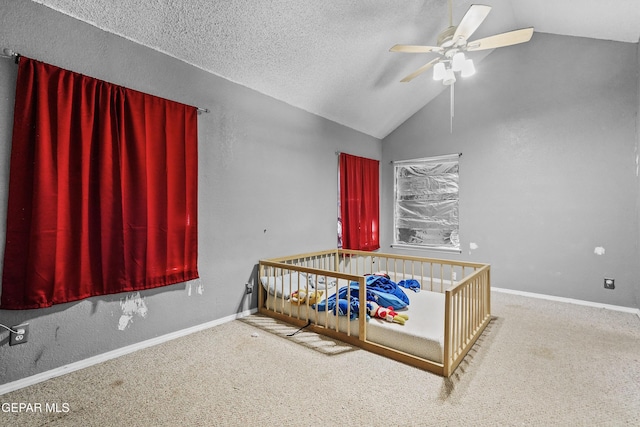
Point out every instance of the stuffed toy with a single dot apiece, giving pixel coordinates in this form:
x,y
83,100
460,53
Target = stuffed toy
x,y
301,297
381,273
387,314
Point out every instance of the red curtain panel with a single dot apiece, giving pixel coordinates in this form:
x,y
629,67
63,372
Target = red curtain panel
x,y
359,202
102,190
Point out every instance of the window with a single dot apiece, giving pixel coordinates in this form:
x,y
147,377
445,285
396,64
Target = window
x,y
426,203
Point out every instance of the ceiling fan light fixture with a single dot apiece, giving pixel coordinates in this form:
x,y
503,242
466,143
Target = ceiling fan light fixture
x,y
458,61
439,71
468,69
449,78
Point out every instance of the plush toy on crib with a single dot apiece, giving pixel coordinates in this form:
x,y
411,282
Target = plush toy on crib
x,y
301,297
381,273
387,314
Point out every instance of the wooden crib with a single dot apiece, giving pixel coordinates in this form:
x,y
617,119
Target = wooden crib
x,y
446,316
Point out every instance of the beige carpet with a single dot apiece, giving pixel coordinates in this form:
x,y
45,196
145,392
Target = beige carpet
x,y
538,363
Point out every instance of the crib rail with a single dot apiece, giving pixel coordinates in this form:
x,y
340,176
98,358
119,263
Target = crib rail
x,y
467,313
325,260
434,274
299,267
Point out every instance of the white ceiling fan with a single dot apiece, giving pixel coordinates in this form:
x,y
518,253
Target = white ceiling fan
x,y
453,42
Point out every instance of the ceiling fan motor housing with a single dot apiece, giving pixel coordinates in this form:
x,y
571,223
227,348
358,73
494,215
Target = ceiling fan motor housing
x,y
445,38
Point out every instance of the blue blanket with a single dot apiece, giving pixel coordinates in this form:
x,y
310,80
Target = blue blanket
x,y
380,289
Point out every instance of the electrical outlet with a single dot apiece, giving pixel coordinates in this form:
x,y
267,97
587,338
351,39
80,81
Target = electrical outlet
x,y
609,283
21,337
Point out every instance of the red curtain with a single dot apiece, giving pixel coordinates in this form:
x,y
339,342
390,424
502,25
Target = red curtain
x,y
102,190
359,202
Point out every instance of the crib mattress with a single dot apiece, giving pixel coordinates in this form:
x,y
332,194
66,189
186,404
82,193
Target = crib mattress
x,y
422,335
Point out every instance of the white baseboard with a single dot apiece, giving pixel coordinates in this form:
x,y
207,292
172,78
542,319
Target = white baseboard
x,y
66,369
631,310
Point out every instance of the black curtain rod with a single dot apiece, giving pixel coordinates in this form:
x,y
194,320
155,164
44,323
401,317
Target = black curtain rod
x,y
8,53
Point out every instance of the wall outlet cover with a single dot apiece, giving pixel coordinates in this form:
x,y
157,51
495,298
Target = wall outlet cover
x,y
609,283
21,337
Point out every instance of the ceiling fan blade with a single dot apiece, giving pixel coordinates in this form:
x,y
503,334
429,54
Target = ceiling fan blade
x,y
471,21
420,70
414,49
501,40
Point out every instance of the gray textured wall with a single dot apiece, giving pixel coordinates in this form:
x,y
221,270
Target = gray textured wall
x,y
267,187
548,172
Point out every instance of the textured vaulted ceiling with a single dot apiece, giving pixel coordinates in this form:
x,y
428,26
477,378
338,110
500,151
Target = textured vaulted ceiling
x,y
331,57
